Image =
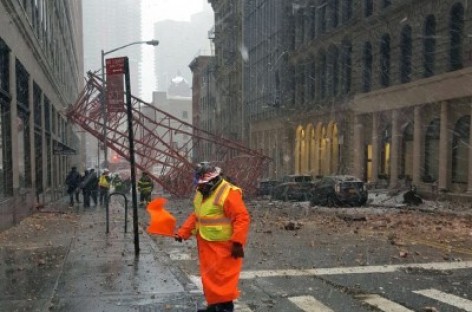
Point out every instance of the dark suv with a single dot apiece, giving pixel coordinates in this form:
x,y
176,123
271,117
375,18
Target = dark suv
x,y
266,187
294,188
339,190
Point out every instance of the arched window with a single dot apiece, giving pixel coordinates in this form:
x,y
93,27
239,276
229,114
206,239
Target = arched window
x,y
431,150
460,150
456,30
367,71
322,73
346,66
385,60
406,54
346,10
333,12
429,46
368,7
333,70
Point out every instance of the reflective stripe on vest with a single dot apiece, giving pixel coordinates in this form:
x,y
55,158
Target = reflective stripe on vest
x,y
212,224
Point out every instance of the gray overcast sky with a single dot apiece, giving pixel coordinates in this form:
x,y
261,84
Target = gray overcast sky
x,y
158,10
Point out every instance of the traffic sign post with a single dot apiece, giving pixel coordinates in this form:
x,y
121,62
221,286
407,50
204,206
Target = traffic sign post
x,y
116,68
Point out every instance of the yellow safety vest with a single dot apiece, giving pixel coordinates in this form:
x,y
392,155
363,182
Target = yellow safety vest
x,y
103,182
212,224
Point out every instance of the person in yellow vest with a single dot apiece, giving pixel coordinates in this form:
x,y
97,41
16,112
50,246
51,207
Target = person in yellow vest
x,y
104,187
145,187
220,222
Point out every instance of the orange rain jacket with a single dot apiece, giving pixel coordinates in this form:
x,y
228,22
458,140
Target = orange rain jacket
x,y
219,271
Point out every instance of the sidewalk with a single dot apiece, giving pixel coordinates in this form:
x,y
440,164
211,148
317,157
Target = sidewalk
x,y
62,260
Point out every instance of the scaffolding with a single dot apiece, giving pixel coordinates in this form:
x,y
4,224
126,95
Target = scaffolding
x,y
169,164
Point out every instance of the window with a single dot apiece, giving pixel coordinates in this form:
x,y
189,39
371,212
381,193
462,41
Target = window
x,y
429,46
456,29
23,126
431,161
460,150
405,54
312,29
333,70
386,3
322,18
367,70
333,13
385,60
322,74
346,10
368,7
184,115
346,66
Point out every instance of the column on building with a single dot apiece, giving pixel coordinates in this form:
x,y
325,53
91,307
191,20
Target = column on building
x,y
14,124
417,146
469,182
358,148
394,151
375,147
444,149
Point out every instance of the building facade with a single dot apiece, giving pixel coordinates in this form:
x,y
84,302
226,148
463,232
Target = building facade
x,y
377,89
228,72
41,70
204,105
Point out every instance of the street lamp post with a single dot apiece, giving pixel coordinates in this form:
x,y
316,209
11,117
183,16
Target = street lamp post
x,y
103,99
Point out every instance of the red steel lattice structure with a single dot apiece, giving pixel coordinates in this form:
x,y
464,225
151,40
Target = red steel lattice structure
x,y
168,164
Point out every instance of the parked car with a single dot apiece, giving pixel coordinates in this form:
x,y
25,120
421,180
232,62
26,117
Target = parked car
x,y
339,190
266,187
294,188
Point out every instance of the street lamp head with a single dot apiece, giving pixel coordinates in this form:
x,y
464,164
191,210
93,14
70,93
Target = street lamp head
x,y
153,42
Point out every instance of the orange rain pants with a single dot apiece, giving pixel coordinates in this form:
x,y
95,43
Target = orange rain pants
x,y
219,271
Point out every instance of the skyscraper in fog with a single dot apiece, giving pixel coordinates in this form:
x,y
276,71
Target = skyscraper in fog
x,y
109,24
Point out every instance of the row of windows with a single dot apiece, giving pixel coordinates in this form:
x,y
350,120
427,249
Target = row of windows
x,y
48,21
330,74
317,18
54,124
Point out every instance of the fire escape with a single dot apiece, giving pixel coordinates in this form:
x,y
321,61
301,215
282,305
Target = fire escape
x,y
170,165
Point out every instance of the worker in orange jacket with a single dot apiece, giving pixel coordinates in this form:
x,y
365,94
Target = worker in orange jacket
x,y
220,222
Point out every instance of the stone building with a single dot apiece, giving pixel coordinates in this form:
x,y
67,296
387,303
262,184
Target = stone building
x,y
380,90
204,104
228,62
41,70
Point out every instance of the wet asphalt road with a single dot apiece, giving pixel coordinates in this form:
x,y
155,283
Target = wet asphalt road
x,y
296,237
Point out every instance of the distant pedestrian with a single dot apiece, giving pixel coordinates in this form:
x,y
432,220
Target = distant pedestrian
x,y
72,182
90,187
104,183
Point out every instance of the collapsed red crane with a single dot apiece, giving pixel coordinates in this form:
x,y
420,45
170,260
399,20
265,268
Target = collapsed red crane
x,y
169,164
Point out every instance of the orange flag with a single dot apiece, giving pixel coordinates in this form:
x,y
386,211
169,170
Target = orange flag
x,y
161,221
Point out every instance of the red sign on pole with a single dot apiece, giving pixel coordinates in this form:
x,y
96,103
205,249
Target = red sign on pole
x,y
115,94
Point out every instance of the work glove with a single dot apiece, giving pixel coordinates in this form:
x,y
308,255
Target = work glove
x,y
237,250
177,238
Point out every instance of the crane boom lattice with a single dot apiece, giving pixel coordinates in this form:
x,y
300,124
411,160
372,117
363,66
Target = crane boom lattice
x,y
169,164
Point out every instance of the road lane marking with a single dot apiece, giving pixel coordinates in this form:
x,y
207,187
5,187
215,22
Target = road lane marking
x,y
383,304
449,299
241,307
309,304
197,281
439,266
